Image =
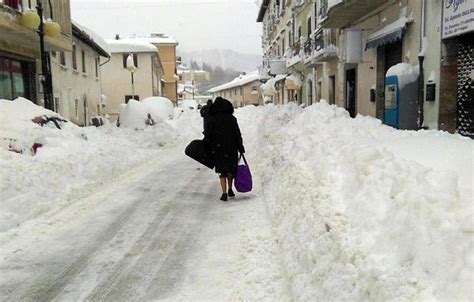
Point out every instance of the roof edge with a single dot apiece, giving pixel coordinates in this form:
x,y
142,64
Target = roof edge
x,y
263,10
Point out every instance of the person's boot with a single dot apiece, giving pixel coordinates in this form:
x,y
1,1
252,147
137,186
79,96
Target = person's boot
x,y
224,197
231,193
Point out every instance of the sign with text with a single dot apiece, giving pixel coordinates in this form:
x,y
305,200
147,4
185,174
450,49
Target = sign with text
x,y
458,17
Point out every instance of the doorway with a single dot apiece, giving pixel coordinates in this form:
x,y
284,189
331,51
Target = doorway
x,y
387,56
332,90
351,92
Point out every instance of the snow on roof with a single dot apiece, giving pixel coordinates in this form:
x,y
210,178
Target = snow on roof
x,y
130,45
93,38
238,81
158,39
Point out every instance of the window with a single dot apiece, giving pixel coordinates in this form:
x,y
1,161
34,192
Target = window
x,y
62,58
15,4
309,28
76,108
14,79
135,59
283,45
74,57
299,33
97,67
53,54
56,104
129,97
83,59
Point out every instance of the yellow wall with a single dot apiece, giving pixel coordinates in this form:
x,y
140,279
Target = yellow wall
x,y
167,53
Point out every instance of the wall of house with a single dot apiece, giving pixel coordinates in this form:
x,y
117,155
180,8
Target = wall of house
x,y
77,94
116,81
167,55
242,95
367,67
432,64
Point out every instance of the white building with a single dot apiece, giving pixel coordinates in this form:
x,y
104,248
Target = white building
x,y
77,77
117,80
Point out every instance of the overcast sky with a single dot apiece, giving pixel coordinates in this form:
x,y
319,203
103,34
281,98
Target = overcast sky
x,y
196,24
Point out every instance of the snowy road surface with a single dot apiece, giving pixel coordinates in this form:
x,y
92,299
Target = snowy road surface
x,y
158,233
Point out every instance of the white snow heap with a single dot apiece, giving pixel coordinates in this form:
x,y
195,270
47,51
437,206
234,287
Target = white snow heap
x,y
135,113
238,81
364,212
406,73
73,161
268,88
160,108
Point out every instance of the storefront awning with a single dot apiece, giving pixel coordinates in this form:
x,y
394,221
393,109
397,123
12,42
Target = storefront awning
x,y
389,34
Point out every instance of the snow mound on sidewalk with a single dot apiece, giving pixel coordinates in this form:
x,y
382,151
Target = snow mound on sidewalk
x,y
74,161
19,132
159,107
135,113
356,220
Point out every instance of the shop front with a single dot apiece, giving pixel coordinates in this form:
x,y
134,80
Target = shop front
x,y
16,78
457,69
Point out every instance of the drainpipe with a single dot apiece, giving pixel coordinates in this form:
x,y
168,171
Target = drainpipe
x,y
421,77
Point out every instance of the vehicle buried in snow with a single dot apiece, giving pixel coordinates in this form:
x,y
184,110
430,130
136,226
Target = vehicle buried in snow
x,y
140,114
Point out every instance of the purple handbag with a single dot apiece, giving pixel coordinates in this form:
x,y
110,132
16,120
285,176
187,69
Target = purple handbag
x,y
243,177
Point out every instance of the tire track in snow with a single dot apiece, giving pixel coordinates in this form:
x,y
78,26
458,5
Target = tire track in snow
x,y
149,258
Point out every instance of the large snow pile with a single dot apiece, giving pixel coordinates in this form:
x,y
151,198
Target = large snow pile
x,y
18,132
363,212
159,107
188,104
73,161
135,114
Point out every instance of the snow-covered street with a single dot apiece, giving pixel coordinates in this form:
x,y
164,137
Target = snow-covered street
x,y
159,232
342,209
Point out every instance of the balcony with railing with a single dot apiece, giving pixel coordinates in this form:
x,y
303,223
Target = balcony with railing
x,y
342,13
322,48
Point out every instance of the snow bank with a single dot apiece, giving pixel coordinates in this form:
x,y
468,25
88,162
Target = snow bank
x,y
188,104
361,214
159,107
135,114
405,72
74,161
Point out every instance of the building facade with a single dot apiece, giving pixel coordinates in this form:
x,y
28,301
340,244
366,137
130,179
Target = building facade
x,y
20,57
117,79
341,51
243,90
166,47
77,77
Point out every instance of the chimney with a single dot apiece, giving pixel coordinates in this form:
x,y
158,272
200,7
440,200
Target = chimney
x,y
117,37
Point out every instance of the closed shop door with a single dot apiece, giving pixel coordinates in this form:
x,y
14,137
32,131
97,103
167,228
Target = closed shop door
x,y
465,105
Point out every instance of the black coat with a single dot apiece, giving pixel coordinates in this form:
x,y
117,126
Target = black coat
x,y
223,136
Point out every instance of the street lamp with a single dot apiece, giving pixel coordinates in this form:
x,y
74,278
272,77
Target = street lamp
x,y
132,68
34,21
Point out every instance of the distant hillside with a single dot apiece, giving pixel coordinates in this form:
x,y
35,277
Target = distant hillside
x,y
224,58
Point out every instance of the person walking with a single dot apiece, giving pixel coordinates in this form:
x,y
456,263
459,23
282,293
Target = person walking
x,y
222,134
